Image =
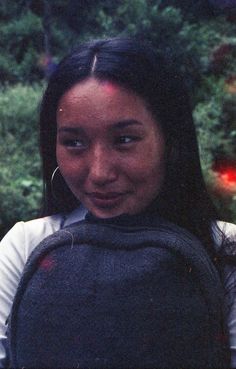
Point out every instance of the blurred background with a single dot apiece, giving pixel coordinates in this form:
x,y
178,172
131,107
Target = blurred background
x,y
199,37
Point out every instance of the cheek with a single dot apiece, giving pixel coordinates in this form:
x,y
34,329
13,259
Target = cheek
x,y
62,160
69,167
148,171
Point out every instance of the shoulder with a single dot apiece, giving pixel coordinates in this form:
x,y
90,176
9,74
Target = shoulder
x,y
228,229
227,239
25,236
223,231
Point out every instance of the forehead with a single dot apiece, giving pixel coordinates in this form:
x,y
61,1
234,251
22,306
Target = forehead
x,y
92,88
104,100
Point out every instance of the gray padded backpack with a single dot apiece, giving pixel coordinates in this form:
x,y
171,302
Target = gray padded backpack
x,y
127,292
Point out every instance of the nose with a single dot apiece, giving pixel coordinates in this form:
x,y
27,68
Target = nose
x,y
102,164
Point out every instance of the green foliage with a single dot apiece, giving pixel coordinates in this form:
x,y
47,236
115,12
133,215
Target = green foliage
x,y
189,45
19,45
20,187
215,120
22,45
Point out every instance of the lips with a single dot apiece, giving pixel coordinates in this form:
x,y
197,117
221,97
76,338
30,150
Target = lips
x,y
106,200
104,196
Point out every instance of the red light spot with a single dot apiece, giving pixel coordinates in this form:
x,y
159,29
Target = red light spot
x,y
47,263
109,87
227,179
229,176
226,172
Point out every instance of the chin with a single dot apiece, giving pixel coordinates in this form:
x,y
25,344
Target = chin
x,y
112,213
103,214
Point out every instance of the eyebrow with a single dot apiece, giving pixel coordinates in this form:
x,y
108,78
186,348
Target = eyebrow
x,y
116,126
126,123
70,130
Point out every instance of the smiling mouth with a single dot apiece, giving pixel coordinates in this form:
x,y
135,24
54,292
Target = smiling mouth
x,y
106,200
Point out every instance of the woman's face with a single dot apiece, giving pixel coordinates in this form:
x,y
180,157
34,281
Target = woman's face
x,y
110,149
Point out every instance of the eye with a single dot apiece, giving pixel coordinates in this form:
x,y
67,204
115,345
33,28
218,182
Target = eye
x,y
122,140
74,143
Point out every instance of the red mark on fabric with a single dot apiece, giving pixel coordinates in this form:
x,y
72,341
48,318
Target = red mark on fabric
x,y
47,263
222,338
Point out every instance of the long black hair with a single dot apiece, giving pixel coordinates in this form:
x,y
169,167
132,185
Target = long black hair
x,y
183,199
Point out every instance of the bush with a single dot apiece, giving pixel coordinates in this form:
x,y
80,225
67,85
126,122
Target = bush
x,y
215,119
20,184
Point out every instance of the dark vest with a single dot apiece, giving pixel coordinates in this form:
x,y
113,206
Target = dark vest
x,y
119,293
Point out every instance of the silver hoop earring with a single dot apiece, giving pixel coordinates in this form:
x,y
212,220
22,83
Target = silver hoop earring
x,y
51,181
53,174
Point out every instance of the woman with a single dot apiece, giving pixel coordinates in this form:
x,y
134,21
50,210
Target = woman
x,y
117,137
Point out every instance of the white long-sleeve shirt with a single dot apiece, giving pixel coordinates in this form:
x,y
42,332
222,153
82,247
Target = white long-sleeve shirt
x,y
20,241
